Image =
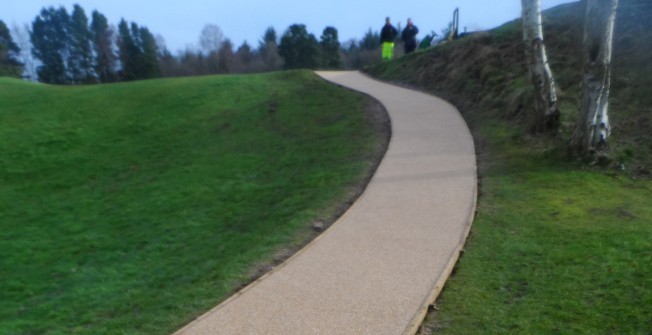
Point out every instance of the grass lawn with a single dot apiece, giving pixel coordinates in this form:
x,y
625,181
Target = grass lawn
x,y
132,208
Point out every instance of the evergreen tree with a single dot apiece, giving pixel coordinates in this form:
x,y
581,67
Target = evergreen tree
x,y
298,48
102,38
127,51
330,49
80,59
50,44
9,52
138,52
245,55
370,41
149,66
269,37
226,58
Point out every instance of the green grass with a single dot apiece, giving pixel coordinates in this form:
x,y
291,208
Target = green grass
x,y
554,249
557,247
132,208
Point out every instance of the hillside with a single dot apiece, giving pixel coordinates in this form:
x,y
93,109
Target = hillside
x,y
558,246
133,208
486,73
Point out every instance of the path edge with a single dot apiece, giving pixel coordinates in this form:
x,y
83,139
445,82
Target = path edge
x,y
443,277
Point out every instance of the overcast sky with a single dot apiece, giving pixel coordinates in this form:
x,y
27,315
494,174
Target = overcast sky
x,y
180,22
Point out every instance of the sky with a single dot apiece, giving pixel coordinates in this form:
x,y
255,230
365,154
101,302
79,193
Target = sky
x,y
180,22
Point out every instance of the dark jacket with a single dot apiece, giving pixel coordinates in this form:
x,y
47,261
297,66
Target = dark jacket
x,y
388,33
409,34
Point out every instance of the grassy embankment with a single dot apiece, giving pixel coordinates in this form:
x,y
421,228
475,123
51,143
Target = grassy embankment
x,y
558,247
132,208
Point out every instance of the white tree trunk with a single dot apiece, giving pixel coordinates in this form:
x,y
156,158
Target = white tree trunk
x,y
593,126
547,112
21,37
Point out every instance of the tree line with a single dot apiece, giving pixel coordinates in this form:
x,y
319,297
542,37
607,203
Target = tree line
x,y
296,48
71,48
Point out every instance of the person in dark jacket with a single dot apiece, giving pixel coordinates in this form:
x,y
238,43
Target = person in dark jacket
x,y
387,36
409,37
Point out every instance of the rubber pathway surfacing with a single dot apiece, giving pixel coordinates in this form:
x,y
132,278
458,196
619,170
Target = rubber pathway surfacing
x,y
376,270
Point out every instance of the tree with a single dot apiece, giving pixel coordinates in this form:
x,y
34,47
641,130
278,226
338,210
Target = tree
x,y
80,59
9,53
188,62
211,38
370,40
245,56
268,51
149,66
127,51
330,49
193,63
227,62
593,127
269,36
298,48
209,64
21,34
49,38
359,54
102,40
169,64
547,116
138,52
161,44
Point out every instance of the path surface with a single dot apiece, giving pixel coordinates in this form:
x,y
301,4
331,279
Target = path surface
x,y
379,266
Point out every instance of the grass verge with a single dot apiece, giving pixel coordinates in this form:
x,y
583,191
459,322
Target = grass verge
x,y
554,249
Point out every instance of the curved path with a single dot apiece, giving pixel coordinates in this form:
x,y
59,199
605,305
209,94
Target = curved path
x,y
376,270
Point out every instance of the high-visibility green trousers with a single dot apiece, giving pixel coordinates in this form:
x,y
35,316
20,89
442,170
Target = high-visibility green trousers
x,y
388,50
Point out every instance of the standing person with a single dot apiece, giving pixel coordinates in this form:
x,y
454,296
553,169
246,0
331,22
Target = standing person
x,y
409,37
387,37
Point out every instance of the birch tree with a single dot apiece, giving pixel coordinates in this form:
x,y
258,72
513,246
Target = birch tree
x,y
546,113
211,38
21,33
593,127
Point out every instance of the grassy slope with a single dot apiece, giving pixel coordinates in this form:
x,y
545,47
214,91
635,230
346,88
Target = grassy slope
x,y
556,248
131,208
